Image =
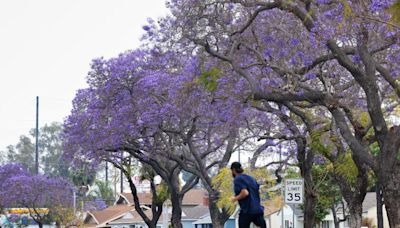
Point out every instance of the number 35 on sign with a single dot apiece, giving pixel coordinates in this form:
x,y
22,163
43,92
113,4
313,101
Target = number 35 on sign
x,y
294,191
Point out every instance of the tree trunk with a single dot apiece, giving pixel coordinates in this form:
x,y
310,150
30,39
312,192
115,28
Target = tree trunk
x,y
151,223
335,218
218,218
336,223
309,210
354,198
355,215
176,216
40,224
310,194
391,195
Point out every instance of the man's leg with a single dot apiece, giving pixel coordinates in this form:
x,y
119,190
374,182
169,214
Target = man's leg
x,y
259,221
244,220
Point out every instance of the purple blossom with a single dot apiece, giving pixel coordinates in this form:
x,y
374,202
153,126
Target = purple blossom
x,y
356,59
378,5
294,42
310,76
20,189
95,205
321,2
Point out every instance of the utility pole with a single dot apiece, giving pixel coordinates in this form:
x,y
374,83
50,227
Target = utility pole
x,y
239,154
37,136
107,173
121,173
74,201
122,181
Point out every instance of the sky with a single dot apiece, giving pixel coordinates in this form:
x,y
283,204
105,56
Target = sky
x,y
46,47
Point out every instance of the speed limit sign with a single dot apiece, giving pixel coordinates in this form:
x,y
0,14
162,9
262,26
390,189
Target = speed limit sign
x,y
294,191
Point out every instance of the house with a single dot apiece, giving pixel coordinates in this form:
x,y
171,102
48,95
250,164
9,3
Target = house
x,y
370,210
273,216
205,222
102,218
123,214
193,214
192,198
290,216
131,219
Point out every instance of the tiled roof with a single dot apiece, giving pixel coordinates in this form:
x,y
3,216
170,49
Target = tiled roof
x,y
188,213
192,197
110,213
195,212
136,218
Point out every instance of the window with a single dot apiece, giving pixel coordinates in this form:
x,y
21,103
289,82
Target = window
x,y
325,224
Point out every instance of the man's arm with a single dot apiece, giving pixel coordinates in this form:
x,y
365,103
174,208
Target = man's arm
x,y
243,194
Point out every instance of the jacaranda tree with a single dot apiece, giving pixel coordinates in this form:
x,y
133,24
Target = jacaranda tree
x,y
163,108
338,58
19,189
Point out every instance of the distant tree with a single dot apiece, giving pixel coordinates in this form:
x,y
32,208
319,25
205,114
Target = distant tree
x,y
34,192
7,171
84,175
50,148
103,192
23,153
50,151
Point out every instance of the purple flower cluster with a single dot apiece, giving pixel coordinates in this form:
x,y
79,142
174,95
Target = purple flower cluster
x,y
21,189
95,205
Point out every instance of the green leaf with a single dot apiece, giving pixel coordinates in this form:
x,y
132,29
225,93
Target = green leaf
x,y
317,145
394,10
346,167
209,79
224,182
364,119
347,12
374,148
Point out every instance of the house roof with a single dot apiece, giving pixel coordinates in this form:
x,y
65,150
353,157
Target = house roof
x,y
192,197
109,214
91,225
187,214
135,218
194,212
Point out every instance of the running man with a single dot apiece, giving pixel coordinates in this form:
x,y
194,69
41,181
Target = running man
x,y
248,195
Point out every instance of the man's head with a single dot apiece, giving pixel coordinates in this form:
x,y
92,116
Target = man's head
x,y
236,169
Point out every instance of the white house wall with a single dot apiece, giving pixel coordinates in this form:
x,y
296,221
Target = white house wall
x,y
372,214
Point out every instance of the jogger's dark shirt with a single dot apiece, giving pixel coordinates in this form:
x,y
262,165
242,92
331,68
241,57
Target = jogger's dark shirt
x,y
250,204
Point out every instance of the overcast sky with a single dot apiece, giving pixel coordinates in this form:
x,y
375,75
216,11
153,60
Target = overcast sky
x,y
46,47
